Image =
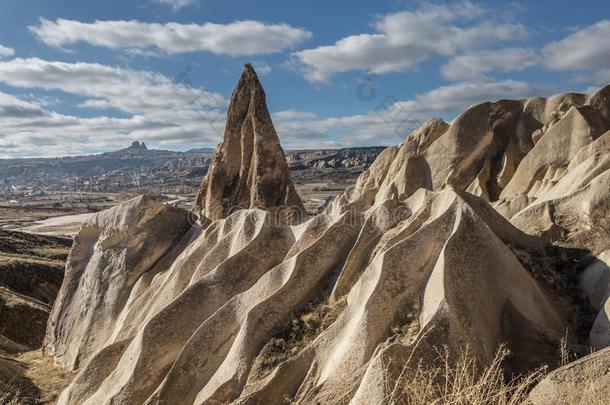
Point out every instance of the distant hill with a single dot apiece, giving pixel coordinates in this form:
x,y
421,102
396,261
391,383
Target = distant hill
x,y
200,150
333,158
137,160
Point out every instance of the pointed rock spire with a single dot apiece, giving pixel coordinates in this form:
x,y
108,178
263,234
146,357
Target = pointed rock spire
x,y
249,168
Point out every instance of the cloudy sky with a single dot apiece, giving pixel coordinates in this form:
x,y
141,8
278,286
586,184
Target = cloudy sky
x,y
87,76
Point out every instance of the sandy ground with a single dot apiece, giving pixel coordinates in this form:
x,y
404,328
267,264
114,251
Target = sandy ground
x,y
65,225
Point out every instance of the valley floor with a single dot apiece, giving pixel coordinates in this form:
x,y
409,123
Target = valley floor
x,y
41,381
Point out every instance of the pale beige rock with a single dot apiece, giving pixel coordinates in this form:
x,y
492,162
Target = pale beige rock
x,y
429,132
480,150
370,181
210,314
573,196
243,277
600,101
249,168
558,104
540,169
113,251
585,381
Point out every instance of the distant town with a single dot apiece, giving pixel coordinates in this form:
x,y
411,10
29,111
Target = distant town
x,y
138,167
85,183
135,167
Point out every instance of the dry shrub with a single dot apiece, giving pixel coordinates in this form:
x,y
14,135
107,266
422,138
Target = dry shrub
x,y
457,381
302,329
566,355
586,389
9,399
11,394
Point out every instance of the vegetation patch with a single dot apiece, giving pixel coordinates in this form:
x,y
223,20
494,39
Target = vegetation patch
x,y
558,269
301,330
49,379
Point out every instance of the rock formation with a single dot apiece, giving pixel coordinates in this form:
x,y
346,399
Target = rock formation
x,y
136,145
249,168
117,242
356,157
584,381
469,234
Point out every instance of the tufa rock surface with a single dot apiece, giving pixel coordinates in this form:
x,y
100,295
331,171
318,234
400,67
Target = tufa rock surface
x,y
584,381
443,242
249,168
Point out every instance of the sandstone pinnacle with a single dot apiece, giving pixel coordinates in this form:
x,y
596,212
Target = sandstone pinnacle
x,y
249,169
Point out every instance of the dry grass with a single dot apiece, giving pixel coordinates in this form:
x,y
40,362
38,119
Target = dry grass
x,y
302,329
459,381
583,385
10,399
16,389
454,380
9,394
52,253
51,380
566,355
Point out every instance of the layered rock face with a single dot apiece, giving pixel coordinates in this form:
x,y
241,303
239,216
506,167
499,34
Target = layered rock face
x,y
249,168
423,253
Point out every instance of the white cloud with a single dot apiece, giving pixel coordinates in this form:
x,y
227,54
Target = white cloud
x,y
288,115
6,52
459,96
599,77
13,107
262,68
602,76
477,63
403,40
391,119
161,111
30,129
106,86
246,37
587,48
177,4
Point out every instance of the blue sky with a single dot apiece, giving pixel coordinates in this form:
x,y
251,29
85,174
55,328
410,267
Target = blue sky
x,y
89,76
